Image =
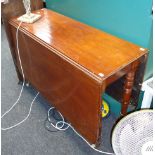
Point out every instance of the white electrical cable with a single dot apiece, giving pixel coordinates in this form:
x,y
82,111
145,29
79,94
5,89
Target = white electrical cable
x,y
69,125
4,129
22,75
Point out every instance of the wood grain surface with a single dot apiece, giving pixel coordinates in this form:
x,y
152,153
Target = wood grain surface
x,y
96,51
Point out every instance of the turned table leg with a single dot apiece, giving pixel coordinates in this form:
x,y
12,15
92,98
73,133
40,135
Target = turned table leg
x,y
128,89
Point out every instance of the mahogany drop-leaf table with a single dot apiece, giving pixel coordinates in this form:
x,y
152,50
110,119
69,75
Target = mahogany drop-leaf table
x,y
71,64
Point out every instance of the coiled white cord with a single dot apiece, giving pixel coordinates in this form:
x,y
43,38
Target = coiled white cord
x,y
60,127
4,129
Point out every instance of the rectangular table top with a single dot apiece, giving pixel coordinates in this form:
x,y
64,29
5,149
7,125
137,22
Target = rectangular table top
x,y
95,51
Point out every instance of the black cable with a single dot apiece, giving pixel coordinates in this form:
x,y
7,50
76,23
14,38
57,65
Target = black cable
x,y
54,115
48,129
